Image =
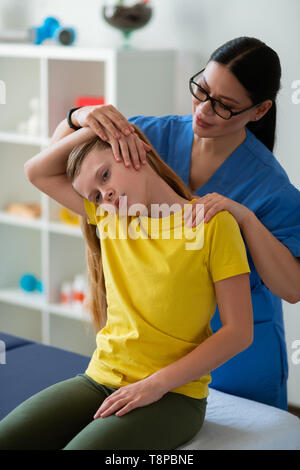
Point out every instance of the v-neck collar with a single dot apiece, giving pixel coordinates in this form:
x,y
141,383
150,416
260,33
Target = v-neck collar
x,y
225,176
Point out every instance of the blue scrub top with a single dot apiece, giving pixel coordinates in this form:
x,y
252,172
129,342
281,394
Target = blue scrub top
x,y
252,176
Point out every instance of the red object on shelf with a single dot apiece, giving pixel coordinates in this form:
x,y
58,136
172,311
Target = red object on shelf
x,y
89,100
79,296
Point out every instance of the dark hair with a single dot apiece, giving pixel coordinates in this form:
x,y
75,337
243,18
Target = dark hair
x,y
257,67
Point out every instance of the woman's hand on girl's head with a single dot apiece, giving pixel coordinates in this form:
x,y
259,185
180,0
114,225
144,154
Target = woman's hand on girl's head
x,y
130,149
111,126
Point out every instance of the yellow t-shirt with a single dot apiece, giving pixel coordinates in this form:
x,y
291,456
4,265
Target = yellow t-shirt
x,y
160,291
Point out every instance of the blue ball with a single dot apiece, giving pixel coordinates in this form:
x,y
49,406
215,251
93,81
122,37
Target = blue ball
x,y
28,282
39,286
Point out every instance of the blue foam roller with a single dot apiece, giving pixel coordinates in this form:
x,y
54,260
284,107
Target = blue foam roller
x,y
28,282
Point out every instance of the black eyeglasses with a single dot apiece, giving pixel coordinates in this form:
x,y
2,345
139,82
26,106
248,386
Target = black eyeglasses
x,y
219,108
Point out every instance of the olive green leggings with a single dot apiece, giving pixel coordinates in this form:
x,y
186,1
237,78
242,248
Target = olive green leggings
x,y
61,417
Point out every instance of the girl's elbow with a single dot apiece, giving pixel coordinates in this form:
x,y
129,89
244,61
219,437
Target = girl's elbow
x,y
248,340
32,172
244,337
28,171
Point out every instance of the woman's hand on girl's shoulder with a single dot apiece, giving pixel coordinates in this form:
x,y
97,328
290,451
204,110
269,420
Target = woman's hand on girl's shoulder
x,y
111,126
214,203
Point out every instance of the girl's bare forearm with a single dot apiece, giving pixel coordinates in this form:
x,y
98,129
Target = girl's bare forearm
x,y
52,161
63,129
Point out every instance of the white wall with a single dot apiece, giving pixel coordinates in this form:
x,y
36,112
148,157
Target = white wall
x,y
196,28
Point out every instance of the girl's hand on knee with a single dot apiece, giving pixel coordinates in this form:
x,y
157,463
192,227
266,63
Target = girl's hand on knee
x,y
132,396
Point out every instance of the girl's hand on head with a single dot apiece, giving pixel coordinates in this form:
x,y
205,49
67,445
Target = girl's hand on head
x,y
111,126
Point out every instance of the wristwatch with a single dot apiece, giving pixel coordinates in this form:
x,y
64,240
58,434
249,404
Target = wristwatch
x,y
69,119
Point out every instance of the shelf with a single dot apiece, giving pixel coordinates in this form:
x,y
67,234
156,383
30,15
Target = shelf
x,y
58,227
35,300
40,224
15,138
73,52
55,52
7,218
69,311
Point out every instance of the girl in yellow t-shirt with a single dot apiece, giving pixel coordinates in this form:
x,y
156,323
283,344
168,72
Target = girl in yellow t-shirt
x,y
153,288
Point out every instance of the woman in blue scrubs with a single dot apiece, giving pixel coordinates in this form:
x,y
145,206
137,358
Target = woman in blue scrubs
x,y
223,153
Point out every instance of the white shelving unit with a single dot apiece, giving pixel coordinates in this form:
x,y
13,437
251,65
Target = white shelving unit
x,y
52,251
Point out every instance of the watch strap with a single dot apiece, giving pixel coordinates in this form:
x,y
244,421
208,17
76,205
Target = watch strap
x,y
69,119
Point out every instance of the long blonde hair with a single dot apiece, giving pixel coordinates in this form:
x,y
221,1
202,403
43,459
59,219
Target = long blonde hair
x,y
96,284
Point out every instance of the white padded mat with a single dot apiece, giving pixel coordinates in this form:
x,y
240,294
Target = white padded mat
x,y
239,424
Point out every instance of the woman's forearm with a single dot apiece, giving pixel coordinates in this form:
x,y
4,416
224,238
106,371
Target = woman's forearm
x,y
275,264
212,353
52,160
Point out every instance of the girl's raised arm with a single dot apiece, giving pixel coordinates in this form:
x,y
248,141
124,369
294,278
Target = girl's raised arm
x,y
47,171
52,161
